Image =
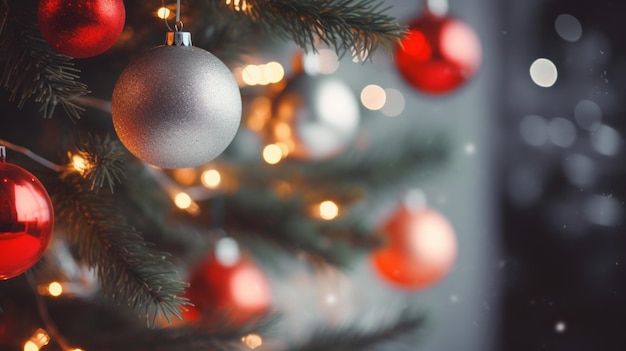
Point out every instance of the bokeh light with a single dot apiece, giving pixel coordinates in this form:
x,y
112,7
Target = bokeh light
x,y
324,61
252,341
182,200
55,289
373,97
328,210
163,13
272,154
211,178
606,140
568,27
394,103
587,114
543,72
561,132
227,251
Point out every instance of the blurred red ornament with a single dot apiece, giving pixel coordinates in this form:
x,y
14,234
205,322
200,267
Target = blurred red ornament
x,y
439,54
81,28
240,290
421,248
26,219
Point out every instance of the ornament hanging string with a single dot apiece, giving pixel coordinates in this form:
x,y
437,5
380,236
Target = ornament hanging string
x,y
178,25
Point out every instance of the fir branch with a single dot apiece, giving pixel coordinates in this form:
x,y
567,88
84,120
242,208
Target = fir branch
x,y
104,160
406,330
31,69
356,26
129,271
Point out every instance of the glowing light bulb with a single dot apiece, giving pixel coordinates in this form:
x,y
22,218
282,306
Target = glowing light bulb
x,y
79,163
55,289
182,200
39,339
211,178
252,341
163,13
328,210
272,154
30,346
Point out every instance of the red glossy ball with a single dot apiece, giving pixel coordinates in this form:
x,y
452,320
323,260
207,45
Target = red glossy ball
x,y
240,290
439,54
81,28
26,220
421,248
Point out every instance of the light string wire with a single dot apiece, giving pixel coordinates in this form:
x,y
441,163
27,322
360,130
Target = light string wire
x,y
53,166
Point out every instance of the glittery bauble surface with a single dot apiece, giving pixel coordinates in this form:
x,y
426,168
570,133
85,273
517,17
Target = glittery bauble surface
x,y
421,248
81,28
26,220
315,116
176,106
239,289
439,54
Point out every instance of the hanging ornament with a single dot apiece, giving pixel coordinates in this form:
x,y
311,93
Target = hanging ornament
x,y
26,219
439,53
315,116
231,285
176,105
421,248
81,28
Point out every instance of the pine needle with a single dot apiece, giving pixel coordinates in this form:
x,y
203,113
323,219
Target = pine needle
x,y
130,272
358,27
104,160
30,69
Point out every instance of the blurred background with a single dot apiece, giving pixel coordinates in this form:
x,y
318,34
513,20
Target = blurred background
x,y
534,188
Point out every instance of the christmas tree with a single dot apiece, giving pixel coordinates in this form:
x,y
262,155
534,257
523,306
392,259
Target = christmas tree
x,y
204,192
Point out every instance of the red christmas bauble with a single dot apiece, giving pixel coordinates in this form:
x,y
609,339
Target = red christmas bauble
x,y
26,220
421,248
439,54
239,290
81,28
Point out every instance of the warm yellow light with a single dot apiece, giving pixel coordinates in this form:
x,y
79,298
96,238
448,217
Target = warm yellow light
x,y
252,75
30,346
282,131
79,163
328,210
182,200
40,338
272,154
211,178
185,176
260,113
252,341
163,13
55,289
274,72
284,148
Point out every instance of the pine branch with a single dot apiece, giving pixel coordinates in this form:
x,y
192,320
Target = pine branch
x,y
401,334
354,26
129,271
104,160
30,69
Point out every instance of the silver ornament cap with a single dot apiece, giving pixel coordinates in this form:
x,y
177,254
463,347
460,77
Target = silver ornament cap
x,y
176,105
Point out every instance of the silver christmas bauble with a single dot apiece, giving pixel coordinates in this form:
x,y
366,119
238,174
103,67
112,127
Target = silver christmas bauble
x,y
321,114
176,105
